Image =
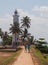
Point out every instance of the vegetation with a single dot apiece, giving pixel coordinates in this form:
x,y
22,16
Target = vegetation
x,y
40,58
25,25
32,40
7,40
42,45
9,59
40,51
26,22
1,32
15,29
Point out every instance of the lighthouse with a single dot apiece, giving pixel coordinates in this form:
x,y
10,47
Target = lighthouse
x,y
15,17
15,36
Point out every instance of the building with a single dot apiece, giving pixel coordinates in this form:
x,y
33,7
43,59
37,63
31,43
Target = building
x,y
15,37
15,17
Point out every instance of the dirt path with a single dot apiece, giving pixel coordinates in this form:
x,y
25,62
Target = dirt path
x,y
24,59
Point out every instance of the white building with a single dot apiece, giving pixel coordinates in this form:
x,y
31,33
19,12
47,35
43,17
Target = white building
x,y
15,36
16,17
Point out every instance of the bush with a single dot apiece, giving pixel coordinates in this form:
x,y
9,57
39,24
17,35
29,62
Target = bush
x,y
43,49
7,41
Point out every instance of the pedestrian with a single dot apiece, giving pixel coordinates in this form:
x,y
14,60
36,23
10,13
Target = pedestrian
x,y
26,45
29,47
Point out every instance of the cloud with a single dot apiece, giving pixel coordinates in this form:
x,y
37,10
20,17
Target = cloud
x,y
40,8
42,11
39,24
38,27
23,13
5,22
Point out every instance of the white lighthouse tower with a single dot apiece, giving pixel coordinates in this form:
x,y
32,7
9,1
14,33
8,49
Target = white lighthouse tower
x,y
15,17
15,36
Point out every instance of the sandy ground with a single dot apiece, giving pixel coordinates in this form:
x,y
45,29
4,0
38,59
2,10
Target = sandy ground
x,y
24,59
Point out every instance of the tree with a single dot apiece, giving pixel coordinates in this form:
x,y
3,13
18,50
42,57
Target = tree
x,y
25,24
41,38
25,33
42,45
9,41
5,38
1,32
15,29
32,38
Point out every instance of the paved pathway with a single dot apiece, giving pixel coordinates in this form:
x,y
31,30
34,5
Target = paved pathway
x,y
24,59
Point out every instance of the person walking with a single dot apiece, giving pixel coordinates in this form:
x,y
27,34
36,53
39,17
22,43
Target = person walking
x,y
29,47
26,45
29,44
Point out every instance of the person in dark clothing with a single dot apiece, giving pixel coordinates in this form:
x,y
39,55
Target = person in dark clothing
x,y
28,47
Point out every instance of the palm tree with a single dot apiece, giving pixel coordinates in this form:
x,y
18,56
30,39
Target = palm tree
x,y
25,32
25,24
15,30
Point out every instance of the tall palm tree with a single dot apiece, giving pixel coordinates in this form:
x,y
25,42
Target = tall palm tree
x,y
15,29
25,24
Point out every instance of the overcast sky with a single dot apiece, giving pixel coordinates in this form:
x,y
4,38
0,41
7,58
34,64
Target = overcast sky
x,y
37,10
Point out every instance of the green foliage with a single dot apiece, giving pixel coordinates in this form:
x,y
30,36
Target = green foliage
x,y
32,38
7,40
43,59
25,33
10,58
41,47
1,32
15,28
41,38
26,22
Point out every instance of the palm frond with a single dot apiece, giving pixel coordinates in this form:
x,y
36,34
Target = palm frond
x,y
26,22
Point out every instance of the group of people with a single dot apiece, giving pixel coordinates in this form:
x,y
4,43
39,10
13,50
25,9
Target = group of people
x,y
27,44
27,47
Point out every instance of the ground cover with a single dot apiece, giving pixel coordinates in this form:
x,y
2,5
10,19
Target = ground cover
x,y
38,57
8,57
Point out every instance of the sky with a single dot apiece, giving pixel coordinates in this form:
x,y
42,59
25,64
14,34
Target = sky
x,y
37,10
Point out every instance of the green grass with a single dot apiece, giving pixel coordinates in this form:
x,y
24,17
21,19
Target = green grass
x,y
40,56
10,58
